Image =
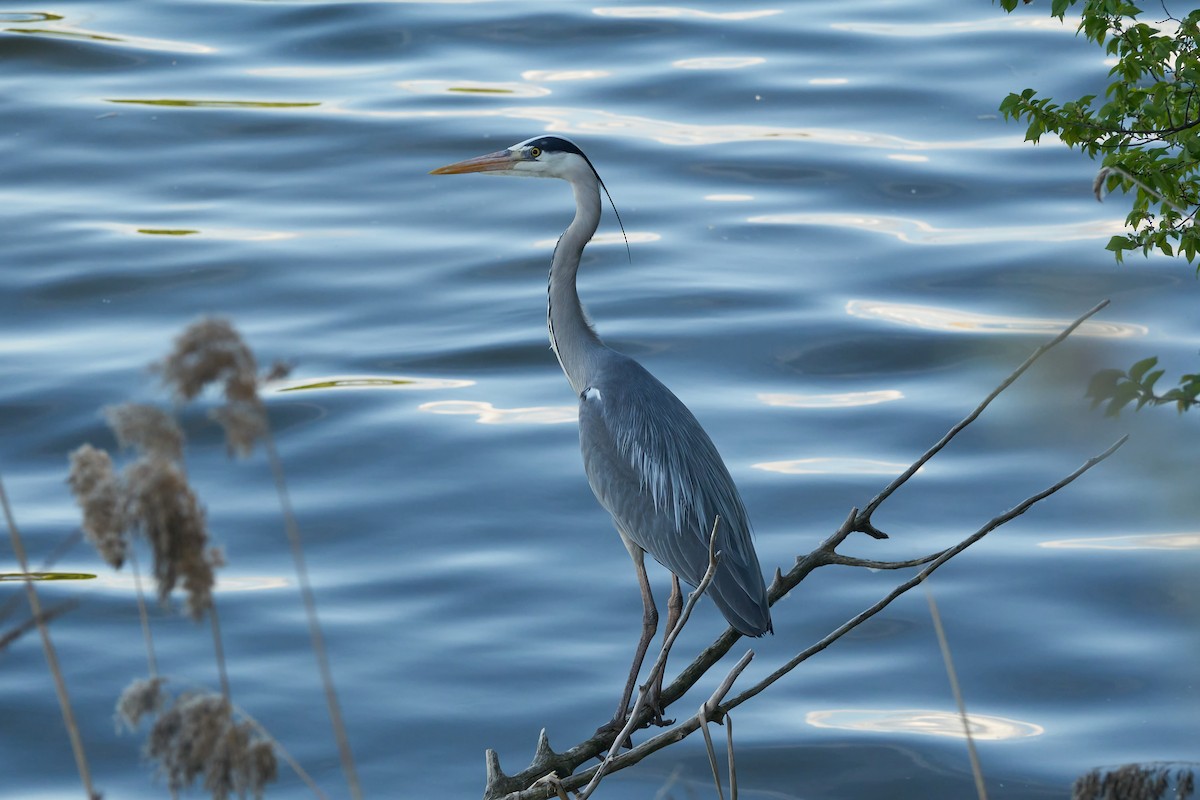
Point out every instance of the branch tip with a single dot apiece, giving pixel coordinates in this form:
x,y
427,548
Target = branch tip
x,y
544,752
494,773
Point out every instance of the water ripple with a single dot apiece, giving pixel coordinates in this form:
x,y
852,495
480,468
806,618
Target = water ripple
x,y
666,12
954,320
842,400
930,30
915,231
832,466
1150,541
924,722
58,30
487,414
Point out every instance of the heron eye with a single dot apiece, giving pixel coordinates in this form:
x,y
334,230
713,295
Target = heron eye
x,y
534,152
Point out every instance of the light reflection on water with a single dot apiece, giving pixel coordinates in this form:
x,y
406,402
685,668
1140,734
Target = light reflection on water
x,y
915,231
958,321
668,12
1145,541
838,400
837,465
923,722
487,414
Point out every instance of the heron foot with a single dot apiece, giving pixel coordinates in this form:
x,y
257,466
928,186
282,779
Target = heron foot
x,y
611,729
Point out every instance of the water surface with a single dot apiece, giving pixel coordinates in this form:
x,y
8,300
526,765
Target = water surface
x,y
838,248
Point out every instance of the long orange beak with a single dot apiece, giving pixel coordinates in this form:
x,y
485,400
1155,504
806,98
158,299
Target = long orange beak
x,y
501,159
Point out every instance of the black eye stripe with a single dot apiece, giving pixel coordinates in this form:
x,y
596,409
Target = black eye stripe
x,y
554,144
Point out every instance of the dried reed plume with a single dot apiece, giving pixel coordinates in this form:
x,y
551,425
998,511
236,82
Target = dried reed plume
x,y
152,497
1137,782
212,351
197,735
99,493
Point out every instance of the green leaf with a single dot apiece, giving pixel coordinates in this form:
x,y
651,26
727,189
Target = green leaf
x,y
1140,368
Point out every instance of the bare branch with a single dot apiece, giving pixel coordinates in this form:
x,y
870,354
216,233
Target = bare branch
x,y
863,519
520,786
949,553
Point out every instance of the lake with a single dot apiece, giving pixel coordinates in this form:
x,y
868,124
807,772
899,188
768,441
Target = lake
x,y
837,247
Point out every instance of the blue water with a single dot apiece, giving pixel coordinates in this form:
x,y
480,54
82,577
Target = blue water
x,y
838,248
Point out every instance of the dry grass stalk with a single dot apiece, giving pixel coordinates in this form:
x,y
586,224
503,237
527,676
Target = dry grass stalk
x,y
196,734
952,675
48,615
60,685
212,351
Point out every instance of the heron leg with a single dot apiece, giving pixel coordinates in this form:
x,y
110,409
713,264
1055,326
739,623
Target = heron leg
x,y
674,611
649,626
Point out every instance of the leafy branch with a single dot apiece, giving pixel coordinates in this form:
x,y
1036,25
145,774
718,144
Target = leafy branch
x,y
1118,388
1146,130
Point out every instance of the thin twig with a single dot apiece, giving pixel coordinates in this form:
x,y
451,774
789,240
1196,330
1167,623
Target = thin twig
x,y
711,707
219,652
143,614
976,770
285,755
7,607
49,615
1104,172
864,518
712,752
310,610
60,685
733,792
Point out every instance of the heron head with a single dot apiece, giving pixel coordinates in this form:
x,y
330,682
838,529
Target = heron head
x,y
539,157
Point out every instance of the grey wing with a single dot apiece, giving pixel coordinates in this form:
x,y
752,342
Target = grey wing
x,y
652,466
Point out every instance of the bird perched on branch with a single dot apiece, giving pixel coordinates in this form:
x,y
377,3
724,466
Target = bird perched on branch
x,y
649,462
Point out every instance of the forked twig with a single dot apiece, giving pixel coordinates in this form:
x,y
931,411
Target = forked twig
x,y
863,520
946,555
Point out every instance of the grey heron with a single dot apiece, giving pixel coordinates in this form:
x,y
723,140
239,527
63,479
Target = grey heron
x,y
649,462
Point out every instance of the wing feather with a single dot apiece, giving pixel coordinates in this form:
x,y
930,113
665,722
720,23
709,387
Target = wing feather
x,y
653,467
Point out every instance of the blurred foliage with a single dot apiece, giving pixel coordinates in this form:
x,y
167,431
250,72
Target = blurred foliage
x,y
1146,134
1146,131
1118,388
